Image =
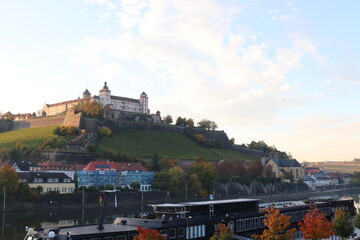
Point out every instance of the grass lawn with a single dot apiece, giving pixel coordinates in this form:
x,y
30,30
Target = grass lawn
x,y
164,144
30,137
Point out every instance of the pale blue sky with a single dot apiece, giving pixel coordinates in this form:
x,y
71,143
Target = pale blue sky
x,y
286,72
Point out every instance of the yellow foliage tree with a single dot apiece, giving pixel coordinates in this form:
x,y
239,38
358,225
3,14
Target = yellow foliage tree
x,y
276,224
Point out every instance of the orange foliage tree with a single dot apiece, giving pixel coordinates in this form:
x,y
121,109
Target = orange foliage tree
x,y
276,224
315,225
148,234
222,232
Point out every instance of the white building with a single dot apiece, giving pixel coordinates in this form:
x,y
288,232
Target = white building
x,y
105,99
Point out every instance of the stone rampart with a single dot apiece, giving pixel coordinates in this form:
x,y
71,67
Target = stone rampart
x,y
5,126
46,121
74,157
242,149
73,119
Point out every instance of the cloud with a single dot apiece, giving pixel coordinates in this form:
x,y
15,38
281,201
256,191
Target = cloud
x,y
308,46
197,52
289,17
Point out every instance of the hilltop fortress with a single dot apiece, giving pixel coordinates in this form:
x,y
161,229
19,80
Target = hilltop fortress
x,y
115,104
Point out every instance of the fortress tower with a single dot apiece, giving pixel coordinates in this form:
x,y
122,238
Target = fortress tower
x,y
144,102
105,95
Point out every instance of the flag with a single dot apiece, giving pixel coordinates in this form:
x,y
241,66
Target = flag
x,y
115,201
101,200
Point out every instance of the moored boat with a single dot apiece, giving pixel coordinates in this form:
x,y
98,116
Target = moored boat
x,y
191,220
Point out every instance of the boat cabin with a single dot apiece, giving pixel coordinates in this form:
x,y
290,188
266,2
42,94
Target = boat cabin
x,y
206,208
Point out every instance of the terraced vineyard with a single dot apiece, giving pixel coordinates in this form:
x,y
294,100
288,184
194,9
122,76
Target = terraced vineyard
x,y
165,144
30,137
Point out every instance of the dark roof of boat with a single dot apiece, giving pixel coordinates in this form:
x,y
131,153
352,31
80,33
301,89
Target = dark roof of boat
x,y
210,202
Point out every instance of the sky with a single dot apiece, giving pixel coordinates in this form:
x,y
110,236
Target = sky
x,y
284,72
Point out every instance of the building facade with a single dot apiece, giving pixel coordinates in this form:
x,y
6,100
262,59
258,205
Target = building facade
x,y
98,173
281,166
49,181
105,99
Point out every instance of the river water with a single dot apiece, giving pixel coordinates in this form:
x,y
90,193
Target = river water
x,y
13,223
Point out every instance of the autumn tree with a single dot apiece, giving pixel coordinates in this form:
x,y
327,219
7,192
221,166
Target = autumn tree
x,y
148,234
276,224
315,225
342,226
255,169
104,132
356,220
90,109
168,119
8,179
222,233
190,122
207,124
206,174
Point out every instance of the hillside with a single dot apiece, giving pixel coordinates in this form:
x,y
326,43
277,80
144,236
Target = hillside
x,y
165,144
141,143
344,167
30,137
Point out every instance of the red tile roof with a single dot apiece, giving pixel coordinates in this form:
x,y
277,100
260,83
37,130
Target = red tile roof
x,y
117,166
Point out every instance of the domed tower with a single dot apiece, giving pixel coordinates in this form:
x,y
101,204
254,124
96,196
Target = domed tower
x,y
144,101
105,95
86,94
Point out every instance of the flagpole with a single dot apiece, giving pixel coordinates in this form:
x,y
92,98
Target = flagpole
x,y
115,200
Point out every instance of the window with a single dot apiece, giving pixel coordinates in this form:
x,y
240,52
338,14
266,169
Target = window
x,y
163,232
56,180
120,237
181,232
202,230
254,223
248,224
172,233
195,232
94,239
108,238
239,225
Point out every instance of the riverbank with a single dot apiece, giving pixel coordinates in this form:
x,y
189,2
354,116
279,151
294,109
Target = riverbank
x,y
90,200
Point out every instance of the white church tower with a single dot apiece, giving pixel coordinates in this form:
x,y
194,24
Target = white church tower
x,y
105,95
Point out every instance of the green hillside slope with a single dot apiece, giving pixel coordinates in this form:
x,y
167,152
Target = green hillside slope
x,y
165,144
30,137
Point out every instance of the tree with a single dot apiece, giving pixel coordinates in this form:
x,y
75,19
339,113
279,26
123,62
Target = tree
x,y
104,132
206,174
8,179
90,109
342,226
315,225
190,122
213,125
148,234
232,140
168,119
276,224
207,124
135,186
356,220
255,169
181,121
222,233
